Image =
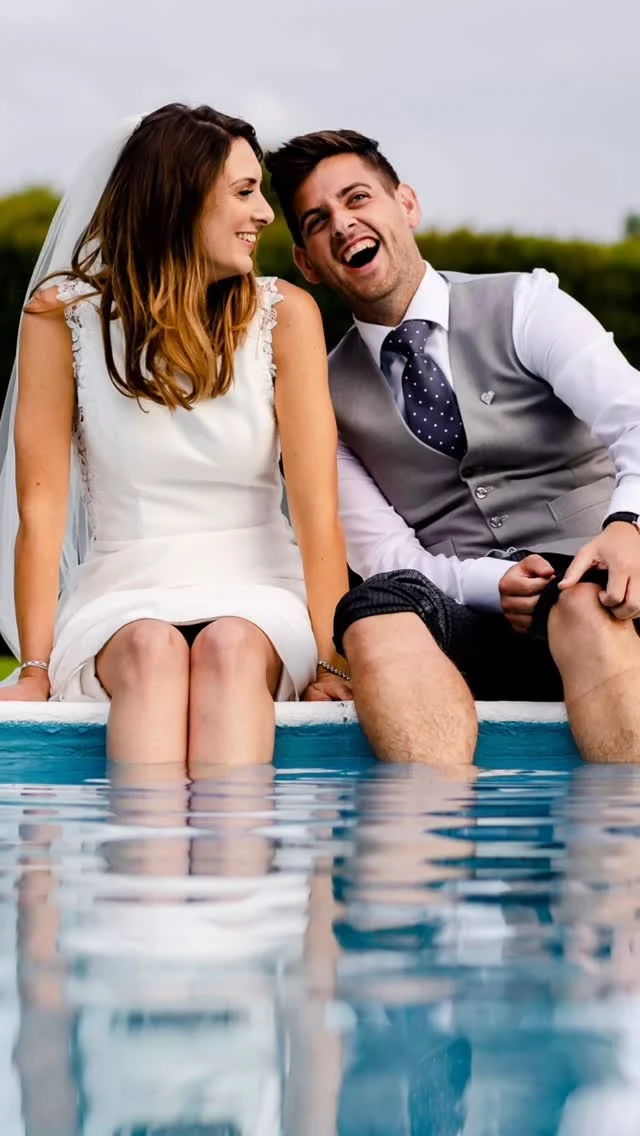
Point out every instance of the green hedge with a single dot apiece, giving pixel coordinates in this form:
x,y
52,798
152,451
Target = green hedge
x,y
24,220
605,278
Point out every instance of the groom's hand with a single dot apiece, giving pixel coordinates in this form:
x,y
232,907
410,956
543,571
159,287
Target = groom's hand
x,y
616,549
520,590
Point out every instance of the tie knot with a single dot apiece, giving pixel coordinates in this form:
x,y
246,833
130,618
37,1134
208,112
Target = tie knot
x,y
408,338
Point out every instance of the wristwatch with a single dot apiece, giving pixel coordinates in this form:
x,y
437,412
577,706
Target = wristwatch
x,y
628,518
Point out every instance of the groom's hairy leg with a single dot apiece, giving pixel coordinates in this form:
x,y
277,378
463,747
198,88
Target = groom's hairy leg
x,y
598,657
145,669
412,703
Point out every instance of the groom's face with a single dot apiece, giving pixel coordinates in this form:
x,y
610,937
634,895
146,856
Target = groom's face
x,y
357,230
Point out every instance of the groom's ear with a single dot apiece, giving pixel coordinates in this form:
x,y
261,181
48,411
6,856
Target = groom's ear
x,y
408,199
305,265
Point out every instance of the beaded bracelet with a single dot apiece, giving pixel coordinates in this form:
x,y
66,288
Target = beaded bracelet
x,y
34,663
334,670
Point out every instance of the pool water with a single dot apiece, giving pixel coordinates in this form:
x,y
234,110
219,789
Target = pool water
x,y
361,951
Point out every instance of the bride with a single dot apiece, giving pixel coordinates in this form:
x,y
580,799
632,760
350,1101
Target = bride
x,y
158,383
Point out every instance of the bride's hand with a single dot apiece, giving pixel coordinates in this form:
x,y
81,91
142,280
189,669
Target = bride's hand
x,y
328,688
29,688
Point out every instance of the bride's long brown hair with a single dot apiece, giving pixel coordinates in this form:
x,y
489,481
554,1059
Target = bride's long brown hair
x,y
141,251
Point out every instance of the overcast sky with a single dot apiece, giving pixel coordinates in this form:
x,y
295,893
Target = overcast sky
x,y
516,114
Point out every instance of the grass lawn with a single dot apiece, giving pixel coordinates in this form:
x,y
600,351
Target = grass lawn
x,y
7,664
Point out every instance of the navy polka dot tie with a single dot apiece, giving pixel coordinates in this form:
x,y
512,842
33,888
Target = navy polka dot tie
x,y
431,406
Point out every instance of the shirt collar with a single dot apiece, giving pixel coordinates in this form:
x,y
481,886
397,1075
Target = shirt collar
x,y
430,302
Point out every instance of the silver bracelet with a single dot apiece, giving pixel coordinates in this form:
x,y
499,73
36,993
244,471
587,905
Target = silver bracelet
x,y
334,670
34,663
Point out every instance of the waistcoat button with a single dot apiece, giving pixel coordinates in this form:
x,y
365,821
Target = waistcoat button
x,y
497,522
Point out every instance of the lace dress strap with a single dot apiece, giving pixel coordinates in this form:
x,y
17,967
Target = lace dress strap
x,y
73,293
70,290
268,298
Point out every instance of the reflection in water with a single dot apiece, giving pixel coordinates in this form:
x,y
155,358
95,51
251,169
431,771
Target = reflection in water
x,y
383,952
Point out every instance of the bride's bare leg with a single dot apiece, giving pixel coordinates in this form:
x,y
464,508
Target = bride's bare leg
x,y
234,675
145,670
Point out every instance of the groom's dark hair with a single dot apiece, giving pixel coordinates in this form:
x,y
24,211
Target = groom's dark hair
x,y
292,164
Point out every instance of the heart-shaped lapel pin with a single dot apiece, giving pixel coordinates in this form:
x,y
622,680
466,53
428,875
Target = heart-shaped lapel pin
x,y
487,397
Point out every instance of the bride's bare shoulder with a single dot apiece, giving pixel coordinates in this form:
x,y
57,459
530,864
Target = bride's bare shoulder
x,y
46,302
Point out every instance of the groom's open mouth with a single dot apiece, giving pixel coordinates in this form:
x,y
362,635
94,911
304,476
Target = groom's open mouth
x,y
361,253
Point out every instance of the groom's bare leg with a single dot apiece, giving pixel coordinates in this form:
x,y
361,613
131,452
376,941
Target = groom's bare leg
x,y
598,657
413,704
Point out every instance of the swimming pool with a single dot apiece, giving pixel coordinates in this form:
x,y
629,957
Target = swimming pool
x,y
331,948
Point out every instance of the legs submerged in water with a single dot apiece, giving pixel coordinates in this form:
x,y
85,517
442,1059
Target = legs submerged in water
x,y
212,704
145,669
598,657
412,702
234,676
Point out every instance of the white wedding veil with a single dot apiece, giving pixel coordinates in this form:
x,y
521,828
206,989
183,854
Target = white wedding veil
x,y
71,219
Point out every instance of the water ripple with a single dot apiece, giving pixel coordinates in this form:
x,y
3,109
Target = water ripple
x,y
381,951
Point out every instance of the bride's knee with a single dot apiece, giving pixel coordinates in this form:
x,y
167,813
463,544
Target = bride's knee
x,y
143,650
232,647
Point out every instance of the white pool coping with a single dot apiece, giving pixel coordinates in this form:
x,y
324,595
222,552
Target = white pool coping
x,y
287,713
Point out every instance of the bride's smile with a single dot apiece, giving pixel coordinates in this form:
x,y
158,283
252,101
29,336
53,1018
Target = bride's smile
x,y
234,213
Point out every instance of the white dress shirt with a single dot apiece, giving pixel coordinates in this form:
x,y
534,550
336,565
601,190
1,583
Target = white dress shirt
x,y
556,339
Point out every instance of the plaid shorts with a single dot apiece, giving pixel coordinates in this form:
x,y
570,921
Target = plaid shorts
x,y
497,662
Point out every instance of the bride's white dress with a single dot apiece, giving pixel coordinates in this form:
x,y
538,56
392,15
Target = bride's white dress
x,y
184,509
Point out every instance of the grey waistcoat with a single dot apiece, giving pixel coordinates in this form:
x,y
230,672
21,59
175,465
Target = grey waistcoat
x,y
533,476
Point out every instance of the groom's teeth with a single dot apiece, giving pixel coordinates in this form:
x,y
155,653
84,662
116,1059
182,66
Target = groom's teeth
x,y
359,246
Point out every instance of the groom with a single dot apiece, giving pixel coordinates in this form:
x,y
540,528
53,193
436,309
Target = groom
x,y
489,475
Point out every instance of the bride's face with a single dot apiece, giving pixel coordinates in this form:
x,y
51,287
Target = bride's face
x,y
234,213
